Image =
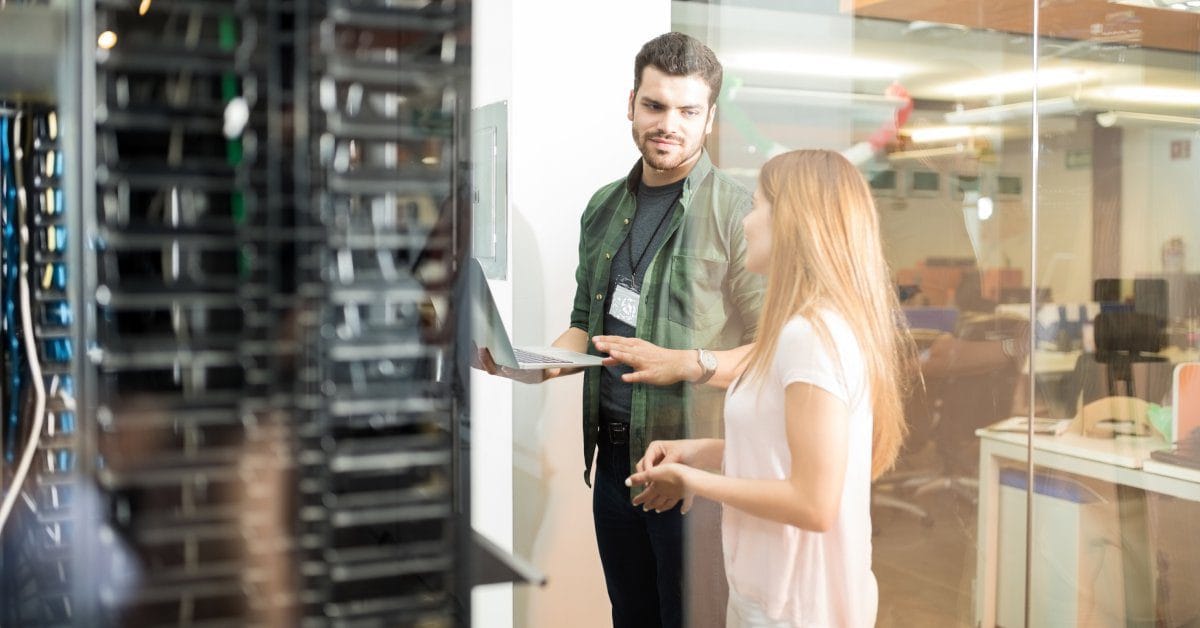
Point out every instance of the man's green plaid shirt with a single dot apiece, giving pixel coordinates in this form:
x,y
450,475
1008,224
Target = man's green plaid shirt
x,y
696,293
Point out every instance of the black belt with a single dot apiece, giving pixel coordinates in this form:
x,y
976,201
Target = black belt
x,y
614,433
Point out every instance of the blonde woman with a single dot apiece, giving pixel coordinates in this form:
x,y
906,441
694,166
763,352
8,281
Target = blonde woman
x,y
816,413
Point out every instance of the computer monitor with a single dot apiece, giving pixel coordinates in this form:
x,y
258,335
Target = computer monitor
x,y
1166,296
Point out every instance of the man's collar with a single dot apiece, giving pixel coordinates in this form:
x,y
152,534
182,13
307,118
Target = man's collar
x,y
702,167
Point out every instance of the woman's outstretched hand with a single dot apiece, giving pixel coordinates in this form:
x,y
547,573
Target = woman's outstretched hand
x,y
651,363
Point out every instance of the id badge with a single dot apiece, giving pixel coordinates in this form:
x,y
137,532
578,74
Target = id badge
x,y
625,303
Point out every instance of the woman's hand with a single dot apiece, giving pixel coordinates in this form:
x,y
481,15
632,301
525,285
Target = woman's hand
x,y
668,451
651,363
678,454
666,484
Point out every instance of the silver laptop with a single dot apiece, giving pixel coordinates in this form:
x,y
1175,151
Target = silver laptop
x,y
487,330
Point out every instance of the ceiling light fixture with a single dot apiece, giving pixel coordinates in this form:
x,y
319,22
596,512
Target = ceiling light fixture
x,y
1148,95
1132,118
930,153
786,95
807,64
1012,111
1016,82
930,134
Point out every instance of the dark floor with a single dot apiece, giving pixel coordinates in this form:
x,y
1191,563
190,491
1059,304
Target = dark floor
x,y
925,569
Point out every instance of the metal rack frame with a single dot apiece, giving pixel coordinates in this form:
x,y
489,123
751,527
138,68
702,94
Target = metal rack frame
x,y
219,406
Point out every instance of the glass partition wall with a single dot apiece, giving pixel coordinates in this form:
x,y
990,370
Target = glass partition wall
x,y
1117,224
1039,214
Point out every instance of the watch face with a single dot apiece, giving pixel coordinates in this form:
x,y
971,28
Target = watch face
x,y
708,360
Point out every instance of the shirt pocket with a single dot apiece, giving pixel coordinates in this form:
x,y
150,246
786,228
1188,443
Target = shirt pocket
x,y
696,291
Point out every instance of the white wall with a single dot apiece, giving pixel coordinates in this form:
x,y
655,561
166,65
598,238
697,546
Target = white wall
x,y
572,72
916,228
565,69
1160,199
491,397
1064,216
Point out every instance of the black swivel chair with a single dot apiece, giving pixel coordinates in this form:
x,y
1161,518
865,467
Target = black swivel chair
x,y
967,400
945,415
893,490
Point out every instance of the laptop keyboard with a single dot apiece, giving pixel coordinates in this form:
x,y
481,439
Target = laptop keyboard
x,y
525,357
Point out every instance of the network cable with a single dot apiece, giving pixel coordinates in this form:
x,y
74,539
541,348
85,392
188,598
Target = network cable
x,y
35,370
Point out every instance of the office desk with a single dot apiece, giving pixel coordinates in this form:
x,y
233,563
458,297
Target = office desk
x,y
1123,460
1047,362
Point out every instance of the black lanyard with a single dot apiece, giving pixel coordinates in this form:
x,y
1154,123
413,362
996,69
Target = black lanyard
x,y
654,236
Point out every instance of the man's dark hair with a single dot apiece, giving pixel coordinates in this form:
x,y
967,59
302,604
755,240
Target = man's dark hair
x,y
677,54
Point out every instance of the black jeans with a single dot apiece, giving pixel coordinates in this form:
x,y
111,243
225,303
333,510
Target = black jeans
x,y
641,552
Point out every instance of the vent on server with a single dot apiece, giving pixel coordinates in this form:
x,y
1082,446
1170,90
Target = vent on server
x,y
385,91
231,394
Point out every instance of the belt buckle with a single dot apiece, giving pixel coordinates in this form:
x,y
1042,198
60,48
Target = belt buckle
x,y
618,433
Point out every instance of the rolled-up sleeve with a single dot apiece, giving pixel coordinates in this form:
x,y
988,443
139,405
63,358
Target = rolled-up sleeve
x,y
582,307
746,289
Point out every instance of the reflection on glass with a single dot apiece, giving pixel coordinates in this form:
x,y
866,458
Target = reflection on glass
x,y
1116,219
953,193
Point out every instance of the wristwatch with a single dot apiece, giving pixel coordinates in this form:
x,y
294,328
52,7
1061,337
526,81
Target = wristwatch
x,y
708,362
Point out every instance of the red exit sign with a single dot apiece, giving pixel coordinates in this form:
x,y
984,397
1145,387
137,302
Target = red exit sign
x,y
1181,149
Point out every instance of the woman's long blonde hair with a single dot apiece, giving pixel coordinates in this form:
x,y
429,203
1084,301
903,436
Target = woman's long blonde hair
x,y
826,253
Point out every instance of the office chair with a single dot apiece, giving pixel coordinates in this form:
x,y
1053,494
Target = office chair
x,y
894,490
962,402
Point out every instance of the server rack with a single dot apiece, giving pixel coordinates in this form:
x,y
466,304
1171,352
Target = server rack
x,y
386,94
244,277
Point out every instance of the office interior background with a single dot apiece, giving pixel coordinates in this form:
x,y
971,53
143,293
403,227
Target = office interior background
x,y
234,386
996,204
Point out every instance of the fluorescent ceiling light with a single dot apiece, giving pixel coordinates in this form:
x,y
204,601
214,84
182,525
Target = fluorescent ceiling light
x,y
1012,111
1148,95
929,153
787,95
806,64
930,134
1016,82
1130,118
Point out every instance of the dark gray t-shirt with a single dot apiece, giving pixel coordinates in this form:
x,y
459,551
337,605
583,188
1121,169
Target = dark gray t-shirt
x,y
646,235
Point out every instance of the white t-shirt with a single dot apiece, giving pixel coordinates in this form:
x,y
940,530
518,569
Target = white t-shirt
x,y
802,577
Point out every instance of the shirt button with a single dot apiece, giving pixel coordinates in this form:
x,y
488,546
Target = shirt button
x,y
607,256
599,297
626,221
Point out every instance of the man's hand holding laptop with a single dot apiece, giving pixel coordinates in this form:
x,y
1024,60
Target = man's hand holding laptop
x,y
482,360
574,340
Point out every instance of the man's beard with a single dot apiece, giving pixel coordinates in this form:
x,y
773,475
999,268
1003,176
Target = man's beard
x,y
657,161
